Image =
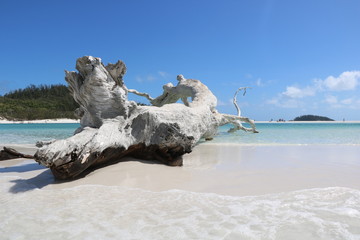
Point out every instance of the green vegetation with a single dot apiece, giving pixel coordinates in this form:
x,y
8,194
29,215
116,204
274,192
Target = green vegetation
x,y
312,118
38,102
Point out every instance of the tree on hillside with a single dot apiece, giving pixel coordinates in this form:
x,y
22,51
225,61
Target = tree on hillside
x,y
38,102
312,118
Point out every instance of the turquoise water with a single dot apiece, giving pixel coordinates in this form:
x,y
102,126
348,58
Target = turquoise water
x,y
33,132
294,133
270,133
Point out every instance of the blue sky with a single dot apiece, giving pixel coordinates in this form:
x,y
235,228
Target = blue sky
x,y
299,57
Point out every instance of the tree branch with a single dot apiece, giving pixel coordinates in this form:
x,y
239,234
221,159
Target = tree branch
x,y
148,97
237,122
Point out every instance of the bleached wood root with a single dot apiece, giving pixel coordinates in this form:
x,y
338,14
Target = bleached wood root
x,y
146,95
10,153
113,127
237,123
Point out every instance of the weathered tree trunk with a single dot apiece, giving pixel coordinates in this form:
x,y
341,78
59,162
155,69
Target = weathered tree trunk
x,y
113,127
10,153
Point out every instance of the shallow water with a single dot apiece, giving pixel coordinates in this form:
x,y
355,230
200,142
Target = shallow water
x,y
270,133
111,212
294,133
33,132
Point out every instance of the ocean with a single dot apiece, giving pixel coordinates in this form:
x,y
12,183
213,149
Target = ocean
x,y
29,210
33,132
294,133
270,133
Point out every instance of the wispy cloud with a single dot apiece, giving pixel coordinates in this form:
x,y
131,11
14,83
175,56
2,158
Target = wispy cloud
x,y
256,81
290,98
330,99
147,78
349,103
248,76
152,77
221,103
163,74
259,83
282,102
295,92
139,79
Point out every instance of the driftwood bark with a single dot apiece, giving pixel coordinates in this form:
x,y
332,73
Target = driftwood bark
x,y
10,153
113,127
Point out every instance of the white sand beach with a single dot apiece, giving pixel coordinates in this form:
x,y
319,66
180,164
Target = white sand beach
x,y
309,122
58,120
67,120
222,192
217,168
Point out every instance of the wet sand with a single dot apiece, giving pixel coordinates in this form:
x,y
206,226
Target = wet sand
x,y
213,168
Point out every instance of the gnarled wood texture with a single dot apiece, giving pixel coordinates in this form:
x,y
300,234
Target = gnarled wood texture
x,y
113,127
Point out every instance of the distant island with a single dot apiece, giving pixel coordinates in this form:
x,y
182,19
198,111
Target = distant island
x,y
312,118
38,102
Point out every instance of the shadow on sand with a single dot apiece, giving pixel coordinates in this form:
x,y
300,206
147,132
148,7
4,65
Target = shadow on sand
x,y
45,177
24,184
22,168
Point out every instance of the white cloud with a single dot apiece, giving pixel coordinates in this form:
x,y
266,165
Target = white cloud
x,y
142,79
290,98
295,92
314,105
347,101
273,101
150,78
248,76
163,74
285,102
259,82
331,99
221,103
346,81
243,104
139,79
292,103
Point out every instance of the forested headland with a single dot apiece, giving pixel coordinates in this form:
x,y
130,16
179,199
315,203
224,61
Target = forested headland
x,y
38,102
312,118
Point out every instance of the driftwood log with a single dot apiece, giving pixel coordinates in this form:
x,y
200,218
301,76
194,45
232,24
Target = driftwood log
x,y
10,153
113,127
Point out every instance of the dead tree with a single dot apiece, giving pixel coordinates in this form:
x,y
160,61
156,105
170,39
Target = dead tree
x,y
113,127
